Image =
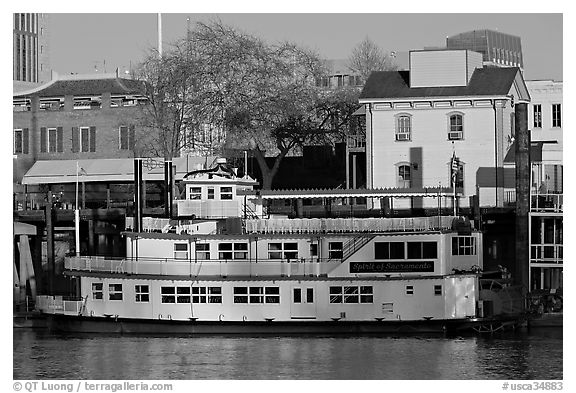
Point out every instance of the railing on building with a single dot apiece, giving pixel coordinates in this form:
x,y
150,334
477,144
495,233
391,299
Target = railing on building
x,y
304,267
356,141
547,202
547,253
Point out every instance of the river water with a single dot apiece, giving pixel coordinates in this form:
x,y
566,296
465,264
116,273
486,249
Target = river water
x,y
535,354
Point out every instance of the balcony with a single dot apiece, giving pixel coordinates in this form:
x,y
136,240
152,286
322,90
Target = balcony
x,y
356,142
204,268
553,203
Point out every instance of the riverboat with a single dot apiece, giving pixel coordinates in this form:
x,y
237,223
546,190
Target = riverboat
x,y
226,267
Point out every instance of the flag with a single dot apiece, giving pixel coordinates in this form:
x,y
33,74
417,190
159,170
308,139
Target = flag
x,y
454,167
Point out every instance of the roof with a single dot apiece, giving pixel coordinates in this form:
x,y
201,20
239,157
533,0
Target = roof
x,y
86,87
490,81
107,170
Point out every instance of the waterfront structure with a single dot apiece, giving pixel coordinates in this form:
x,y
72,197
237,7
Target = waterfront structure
x,y
497,49
448,120
31,50
227,271
546,208
76,117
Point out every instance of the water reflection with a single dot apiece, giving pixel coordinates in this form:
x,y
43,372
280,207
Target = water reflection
x,y
524,355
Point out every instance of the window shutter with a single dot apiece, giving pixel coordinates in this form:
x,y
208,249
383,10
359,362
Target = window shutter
x,y
123,138
42,139
59,139
131,136
75,140
92,138
25,141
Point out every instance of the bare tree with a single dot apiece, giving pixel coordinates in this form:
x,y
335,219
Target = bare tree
x,y
367,57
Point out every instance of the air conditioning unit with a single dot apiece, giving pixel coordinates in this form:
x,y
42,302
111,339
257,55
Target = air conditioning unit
x,y
455,135
402,137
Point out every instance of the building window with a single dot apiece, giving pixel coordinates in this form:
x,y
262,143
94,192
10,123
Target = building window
x,y
456,127
195,193
142,293
21,141
233,251
556,115
389,250
83,139
537,115
97,291
283,250
126,138
202,251
403,128
463,245
180,250
404,179
335,250
115,292
409,290
51,140
225,192
437,290
422,250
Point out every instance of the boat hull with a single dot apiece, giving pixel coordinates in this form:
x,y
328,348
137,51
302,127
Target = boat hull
x,y
128,326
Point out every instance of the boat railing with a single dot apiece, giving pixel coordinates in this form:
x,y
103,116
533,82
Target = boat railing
x,y
58,305
349,225
314,267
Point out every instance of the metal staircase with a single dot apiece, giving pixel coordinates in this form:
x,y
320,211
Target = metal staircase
x,y
356,243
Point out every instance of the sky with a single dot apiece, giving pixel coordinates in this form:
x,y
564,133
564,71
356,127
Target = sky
x,y
86,42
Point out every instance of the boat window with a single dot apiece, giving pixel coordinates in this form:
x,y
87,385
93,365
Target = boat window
x,y
272,295
309,295
115,292
168,294
210,192
225,192
297,298
335,250
389,250
233,251
464,245
282,250
350,294
366,294
437,290
388,308
335,294
97,291
240,294
195,193
180,250
422,250
183,294
142,293
409,290
202,251
214,295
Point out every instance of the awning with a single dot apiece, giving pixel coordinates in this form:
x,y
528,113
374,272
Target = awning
x,y
119,170
432,192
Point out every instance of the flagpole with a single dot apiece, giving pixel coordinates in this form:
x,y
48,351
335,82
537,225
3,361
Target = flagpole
x,y
77,217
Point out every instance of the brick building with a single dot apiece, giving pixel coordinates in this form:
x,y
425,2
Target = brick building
x,y
75,117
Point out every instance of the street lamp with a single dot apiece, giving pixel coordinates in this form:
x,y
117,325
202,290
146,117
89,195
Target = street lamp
x,y
77,210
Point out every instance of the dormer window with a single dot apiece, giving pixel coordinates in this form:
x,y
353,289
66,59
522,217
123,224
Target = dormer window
x,y
403,128
455,127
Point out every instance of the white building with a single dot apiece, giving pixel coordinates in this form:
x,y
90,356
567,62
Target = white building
x,y
446,105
